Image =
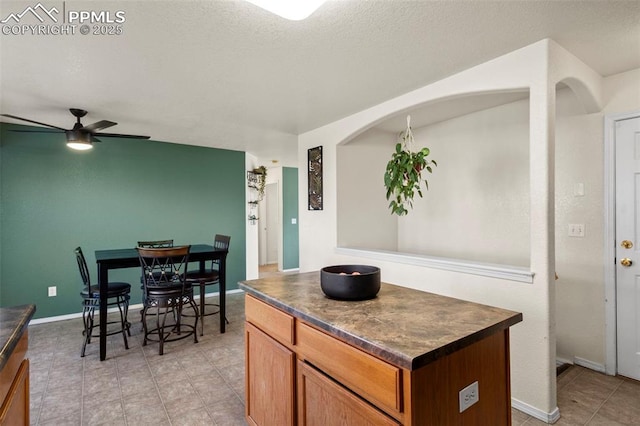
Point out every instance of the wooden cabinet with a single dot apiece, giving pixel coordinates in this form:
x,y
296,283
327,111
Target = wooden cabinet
x,y
271,386
374,379
322,402
299,374
14,387
270,390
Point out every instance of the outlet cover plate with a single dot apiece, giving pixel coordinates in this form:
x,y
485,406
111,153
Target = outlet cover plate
x,y
469,396
53,291
576,230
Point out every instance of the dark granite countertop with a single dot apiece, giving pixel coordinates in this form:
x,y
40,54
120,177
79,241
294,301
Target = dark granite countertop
x,y
13,323
408,328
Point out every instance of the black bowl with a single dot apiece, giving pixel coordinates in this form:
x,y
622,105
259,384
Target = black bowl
x,y
338,282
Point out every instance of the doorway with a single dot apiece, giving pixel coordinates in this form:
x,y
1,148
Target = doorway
x,y
622,250
269,226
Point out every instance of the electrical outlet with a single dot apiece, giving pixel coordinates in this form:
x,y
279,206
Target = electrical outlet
x,y
576,230
53,291
469,396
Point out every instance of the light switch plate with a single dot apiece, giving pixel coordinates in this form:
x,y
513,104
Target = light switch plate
x,y
52,291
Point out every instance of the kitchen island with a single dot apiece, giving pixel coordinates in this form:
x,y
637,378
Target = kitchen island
x,y
14,367
404,358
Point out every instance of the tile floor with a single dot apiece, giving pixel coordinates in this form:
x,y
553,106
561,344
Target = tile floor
x,y
191,384
203,383
586,397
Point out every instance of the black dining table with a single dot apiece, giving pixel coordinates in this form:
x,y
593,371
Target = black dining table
x,y
128,258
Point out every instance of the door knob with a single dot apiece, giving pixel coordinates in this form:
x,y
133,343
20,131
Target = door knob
x,y
626,244
626,262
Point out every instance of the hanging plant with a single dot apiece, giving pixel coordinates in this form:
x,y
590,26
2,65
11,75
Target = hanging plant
x,y
403,175
262,180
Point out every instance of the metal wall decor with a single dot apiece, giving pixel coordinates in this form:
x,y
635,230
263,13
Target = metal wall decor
x,y
314,178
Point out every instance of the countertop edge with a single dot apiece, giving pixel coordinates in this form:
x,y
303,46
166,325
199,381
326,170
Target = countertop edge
x,y
393,357
462,343
24,315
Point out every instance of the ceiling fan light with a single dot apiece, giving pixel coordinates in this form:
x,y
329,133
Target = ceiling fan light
x,y
80,141
79,146
294,10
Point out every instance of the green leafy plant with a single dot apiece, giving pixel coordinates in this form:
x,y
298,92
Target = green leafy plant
x,y
403,175
262,180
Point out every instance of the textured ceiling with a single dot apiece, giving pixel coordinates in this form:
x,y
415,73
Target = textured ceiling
x,y
228,74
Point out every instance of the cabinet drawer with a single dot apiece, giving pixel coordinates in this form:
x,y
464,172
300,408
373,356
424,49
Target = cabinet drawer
x,y
368,376
322,402
272,321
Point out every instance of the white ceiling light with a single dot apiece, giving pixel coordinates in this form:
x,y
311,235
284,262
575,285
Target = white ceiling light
x,y
294,10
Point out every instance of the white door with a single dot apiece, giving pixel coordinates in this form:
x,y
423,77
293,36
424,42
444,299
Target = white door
x,y
627,145
271,224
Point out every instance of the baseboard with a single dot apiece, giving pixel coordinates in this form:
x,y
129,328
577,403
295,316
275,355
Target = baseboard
x,y
589,364
600,368
551,417
61,317
131,307
291,270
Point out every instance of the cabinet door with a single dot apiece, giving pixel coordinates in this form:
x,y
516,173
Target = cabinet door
x,y
323,402
270,385
15,408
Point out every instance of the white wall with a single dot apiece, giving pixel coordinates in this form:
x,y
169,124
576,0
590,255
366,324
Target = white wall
x,y
251,228
363,220
477,206
622,92
579,261
580,289
537,67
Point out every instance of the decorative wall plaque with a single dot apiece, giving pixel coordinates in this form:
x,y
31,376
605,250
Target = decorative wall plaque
x,y
314,157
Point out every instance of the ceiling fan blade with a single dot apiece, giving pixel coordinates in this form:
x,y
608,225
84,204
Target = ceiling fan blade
x,y
94,139
103,124
35,131
118,135
32,121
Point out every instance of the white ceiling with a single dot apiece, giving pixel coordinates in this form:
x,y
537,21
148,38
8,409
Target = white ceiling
x,y
228,74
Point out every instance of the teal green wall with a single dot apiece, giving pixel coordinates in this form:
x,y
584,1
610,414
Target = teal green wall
x,y
290,255
0,217
54,199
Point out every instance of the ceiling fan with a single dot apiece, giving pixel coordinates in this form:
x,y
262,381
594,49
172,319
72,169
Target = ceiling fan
x,y
80,137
